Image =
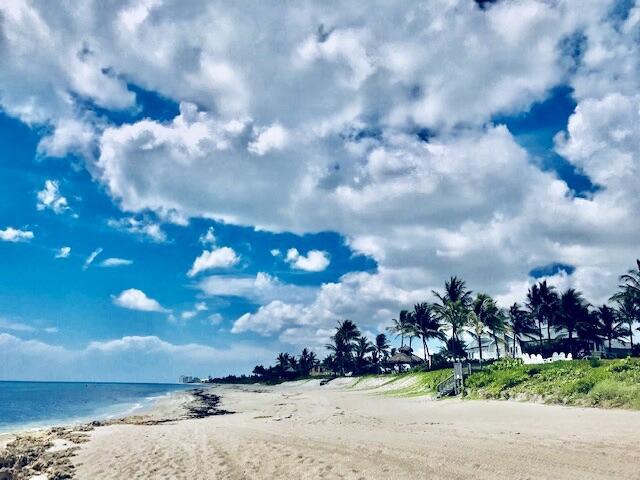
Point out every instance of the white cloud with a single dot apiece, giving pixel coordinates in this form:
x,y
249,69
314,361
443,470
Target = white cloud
x,y
198,307
115,262
135,299
126,359
64,252
314,261
144,228
214,319
275,252
332,146
92,256
209,238
262,288
223,257
10,234
267,139
15,326
50,198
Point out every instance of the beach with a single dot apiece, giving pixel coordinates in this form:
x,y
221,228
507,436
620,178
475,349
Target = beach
x,y
304,430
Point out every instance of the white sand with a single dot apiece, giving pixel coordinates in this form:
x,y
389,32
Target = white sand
x,y
304,431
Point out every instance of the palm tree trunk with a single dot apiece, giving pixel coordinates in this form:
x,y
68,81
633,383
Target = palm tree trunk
x,y
609,352
495,339
427,357
514,345
631,336
480,348
548,330
540,335
571,342
401,339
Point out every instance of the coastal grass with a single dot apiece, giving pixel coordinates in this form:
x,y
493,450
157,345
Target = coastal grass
x,y
601,383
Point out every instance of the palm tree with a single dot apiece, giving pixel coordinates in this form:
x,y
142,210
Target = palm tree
x,y
631,280
307,361
343,343
542,302
548,305
476,328
361,348
402,326
427,326
520,324
574,315
283,360
609,325
491,316
628,312
381,347
453,306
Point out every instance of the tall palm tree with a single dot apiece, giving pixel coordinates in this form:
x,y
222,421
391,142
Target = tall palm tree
x,y
548,305
574,315
381,347
342,344
493,318
283,360
631,280
534,303
401,326
476,328
362,347
609,325
427,326
307,361
520,323
628,312
453,306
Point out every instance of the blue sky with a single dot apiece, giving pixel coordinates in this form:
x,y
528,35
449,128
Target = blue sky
x,y
389,147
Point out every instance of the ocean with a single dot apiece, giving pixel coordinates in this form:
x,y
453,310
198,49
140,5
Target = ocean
x,y
25,405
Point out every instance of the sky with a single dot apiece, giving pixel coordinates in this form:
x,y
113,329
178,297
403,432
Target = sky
x,y
190,188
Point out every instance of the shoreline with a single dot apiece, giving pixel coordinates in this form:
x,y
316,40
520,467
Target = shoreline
x,y
47,450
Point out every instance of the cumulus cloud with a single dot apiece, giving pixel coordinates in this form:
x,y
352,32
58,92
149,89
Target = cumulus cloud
x,y
267,139
135,299
365,131
10,234
115,262
126,359
223,257
260,288
49,198
313,261
63,252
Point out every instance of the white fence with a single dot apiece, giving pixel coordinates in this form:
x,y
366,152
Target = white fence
x,y
534,359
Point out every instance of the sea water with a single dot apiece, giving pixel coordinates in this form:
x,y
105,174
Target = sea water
x,y
25,405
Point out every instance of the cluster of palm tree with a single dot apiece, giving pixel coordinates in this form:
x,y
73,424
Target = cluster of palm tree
x,y
288,366
457,314
350,351
546,315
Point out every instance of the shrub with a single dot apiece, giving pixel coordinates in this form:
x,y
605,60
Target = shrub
x,y
595,362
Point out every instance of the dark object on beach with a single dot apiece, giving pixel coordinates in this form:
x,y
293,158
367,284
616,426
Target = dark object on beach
x,y
206,405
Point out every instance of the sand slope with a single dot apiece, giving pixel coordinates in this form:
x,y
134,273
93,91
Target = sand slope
x,y
301,430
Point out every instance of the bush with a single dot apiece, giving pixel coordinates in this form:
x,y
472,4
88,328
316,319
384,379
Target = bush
x,y
595,362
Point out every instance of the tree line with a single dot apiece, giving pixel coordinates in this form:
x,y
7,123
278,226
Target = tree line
x,y
456,311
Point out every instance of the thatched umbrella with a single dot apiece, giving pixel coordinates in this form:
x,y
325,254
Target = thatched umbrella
x,y
404,356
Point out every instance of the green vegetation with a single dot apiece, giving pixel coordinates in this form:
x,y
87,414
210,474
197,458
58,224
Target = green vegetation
x,y
607,383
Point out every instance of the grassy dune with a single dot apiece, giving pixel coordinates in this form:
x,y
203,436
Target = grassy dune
x,y
606,383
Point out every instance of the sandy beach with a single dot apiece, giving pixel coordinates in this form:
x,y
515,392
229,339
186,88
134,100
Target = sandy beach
x,y
303,430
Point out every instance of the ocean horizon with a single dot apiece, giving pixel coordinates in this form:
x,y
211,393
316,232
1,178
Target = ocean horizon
x,y
28,405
